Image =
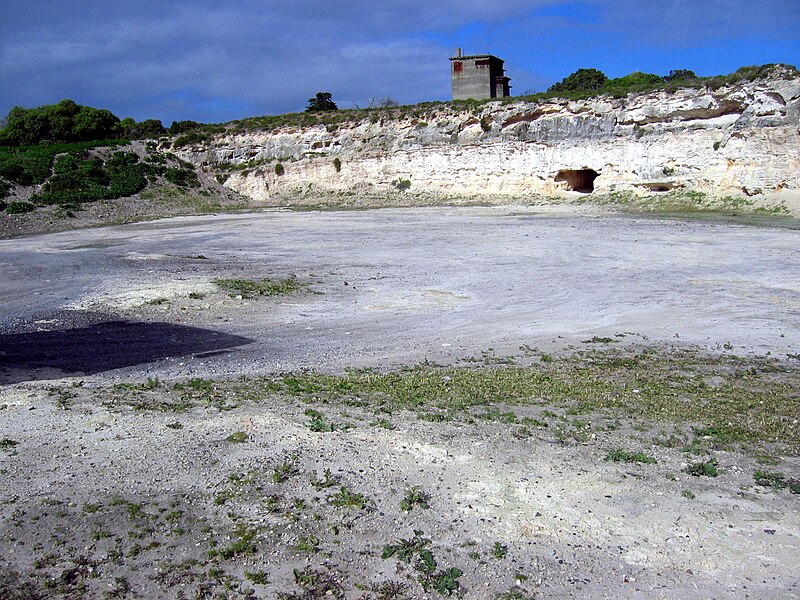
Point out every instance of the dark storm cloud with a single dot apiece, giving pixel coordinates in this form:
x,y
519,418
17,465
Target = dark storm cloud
x,y
215,61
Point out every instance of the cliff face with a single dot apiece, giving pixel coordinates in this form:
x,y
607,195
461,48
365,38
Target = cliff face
x,y
742,139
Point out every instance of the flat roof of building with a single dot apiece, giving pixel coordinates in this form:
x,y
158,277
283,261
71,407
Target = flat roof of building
x,y
476,56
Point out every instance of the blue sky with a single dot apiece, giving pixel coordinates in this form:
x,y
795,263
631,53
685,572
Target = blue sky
x,y
214,61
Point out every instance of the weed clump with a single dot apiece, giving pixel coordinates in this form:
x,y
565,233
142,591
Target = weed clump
x,y
776,481
703,469
627,456
7,444
346,498
414,497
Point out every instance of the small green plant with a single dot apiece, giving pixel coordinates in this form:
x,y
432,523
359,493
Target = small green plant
x,y
627,456
688,494
337,164
499,550
237,438
7,444
405,549
308,544
445,581
196,295
515,593
175,425
401,185
328,480
346,498
414,497
284,470
279,170
703,469
243,545
257,577
319,423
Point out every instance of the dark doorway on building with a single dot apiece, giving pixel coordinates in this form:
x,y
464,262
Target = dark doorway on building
x,y
578,180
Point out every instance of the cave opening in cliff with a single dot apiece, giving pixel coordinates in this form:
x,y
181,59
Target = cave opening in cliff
x,y
578,180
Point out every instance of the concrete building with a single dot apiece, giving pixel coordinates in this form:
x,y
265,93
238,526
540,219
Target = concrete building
x,y
479,77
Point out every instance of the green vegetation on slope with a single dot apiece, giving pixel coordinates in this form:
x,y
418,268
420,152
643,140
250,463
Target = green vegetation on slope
x,y
71,174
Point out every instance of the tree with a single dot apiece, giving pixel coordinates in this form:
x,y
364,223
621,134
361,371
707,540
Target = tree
x,y
322,101
62,122
149,128
582,80
179,127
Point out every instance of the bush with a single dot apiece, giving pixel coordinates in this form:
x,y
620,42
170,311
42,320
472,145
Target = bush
x,y
634,82
191,138
17,207
580,81
182,177
77,179
31,165
337,164
279,170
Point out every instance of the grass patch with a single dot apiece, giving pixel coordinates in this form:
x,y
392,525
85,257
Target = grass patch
x,y
751,401
251,288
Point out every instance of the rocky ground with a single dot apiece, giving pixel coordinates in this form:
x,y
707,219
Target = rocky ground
x,y
542,406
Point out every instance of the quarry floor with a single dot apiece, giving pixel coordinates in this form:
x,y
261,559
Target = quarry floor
x,y
392,287
87,480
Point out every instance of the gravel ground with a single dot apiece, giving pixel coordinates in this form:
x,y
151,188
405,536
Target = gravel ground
x,y
119,364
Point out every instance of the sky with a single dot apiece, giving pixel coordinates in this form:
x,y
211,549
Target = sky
x,y
214,61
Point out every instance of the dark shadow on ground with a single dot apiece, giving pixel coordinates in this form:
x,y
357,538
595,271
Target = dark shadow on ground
x,y
103,346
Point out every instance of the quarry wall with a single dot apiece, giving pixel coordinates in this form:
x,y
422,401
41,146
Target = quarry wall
x,y
742,139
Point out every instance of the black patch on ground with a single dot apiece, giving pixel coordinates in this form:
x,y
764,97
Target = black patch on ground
x,y
95,347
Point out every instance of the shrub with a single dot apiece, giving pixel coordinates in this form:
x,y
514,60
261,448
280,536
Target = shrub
x,y
182,177
401,184
581,80
337,164
191,138
18,207
279,170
